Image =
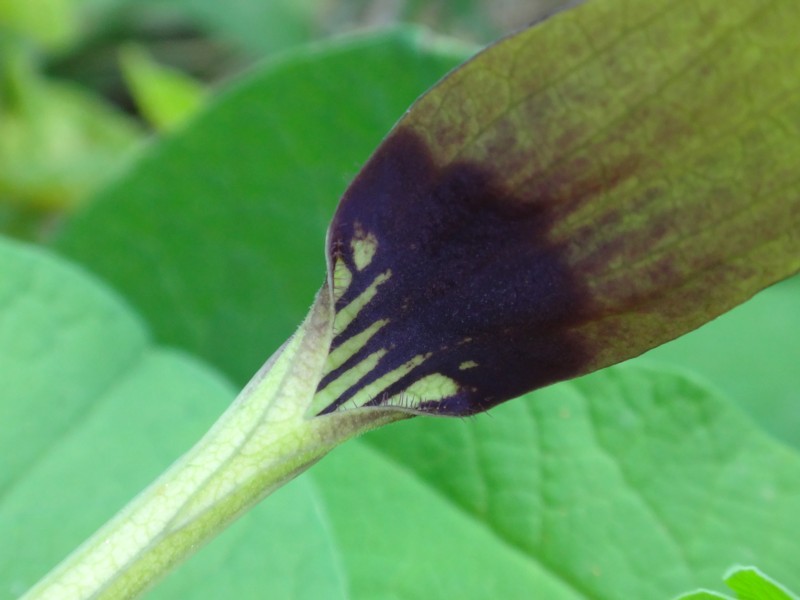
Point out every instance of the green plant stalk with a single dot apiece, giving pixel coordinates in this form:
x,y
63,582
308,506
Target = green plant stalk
x,y
265,439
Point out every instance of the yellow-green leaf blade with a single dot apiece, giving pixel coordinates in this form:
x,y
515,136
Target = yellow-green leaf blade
x,y
165,96
750,583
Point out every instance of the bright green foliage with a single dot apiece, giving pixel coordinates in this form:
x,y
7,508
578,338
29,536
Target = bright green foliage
x,y
91,410
52,23
749,583
165,97
57,143
247,193
751,354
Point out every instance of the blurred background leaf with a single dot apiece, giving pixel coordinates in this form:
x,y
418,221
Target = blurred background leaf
x,y
79,128
58,143
261,28
50,23
165,97
749,583
256,28
751,354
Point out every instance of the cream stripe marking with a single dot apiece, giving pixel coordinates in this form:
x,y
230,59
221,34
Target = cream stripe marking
x,y
346,315
373,390
431,388
331,392
346,351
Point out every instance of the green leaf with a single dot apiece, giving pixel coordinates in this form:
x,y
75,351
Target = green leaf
x,y
166,97
751,354
51,23
256,178
573,196
703,595
398,536
629,483
257,27
282,548
749,583
64,346
91,409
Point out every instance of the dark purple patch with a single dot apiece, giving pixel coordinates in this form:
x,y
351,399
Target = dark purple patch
x,y
468,260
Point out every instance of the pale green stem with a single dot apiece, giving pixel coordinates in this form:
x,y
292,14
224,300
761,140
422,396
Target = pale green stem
x,y
263,440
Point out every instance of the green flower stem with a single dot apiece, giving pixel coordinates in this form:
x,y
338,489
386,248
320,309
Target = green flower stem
x,y
263,440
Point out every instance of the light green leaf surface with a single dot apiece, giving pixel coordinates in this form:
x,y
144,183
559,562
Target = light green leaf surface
x,y
64,346
751,353
400,537
82,386
217,235
630,483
